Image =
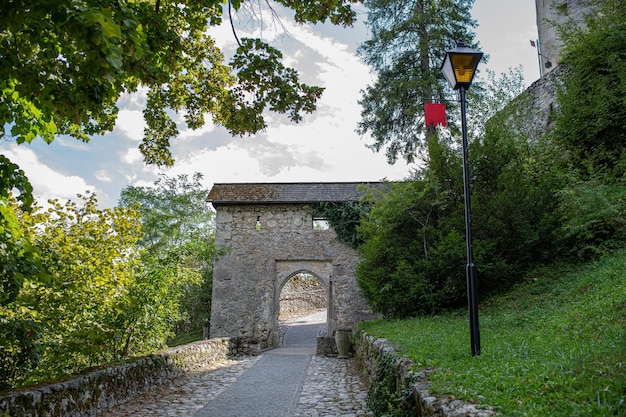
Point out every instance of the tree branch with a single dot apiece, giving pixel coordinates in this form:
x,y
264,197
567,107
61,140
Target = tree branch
x,y
232,24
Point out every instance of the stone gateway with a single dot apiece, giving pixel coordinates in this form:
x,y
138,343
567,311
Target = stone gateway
x,y
272,235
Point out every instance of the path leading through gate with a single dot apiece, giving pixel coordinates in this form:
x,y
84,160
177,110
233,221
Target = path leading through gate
x,y
290,381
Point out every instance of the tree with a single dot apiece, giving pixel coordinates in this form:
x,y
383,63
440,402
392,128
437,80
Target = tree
x,y
591,112
64,65
178,229
101,304
407,44
413,257
590,129
18,257
19,263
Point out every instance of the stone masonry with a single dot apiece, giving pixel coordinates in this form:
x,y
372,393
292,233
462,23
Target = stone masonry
x,y
269,231
301,295
551,13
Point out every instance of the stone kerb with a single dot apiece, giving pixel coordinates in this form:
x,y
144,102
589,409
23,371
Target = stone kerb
x,y
108,387
371,353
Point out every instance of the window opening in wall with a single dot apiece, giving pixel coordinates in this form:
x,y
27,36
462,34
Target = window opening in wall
x,y
320,223
258,223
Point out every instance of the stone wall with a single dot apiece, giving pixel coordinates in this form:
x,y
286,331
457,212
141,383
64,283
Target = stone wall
x,y
107,387
556,12
269,244
540,104
370,355
300,295
532,114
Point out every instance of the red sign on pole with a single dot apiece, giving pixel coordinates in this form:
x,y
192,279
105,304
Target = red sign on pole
x,y
435,114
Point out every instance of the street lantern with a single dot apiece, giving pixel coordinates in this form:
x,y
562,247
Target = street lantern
x,y
459,68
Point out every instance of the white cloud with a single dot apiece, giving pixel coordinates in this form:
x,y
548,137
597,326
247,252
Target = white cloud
x,y
103,175
134,101
132,156
130,124
72,143
47,183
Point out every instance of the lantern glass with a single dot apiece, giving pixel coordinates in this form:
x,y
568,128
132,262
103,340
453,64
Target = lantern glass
x,y
459,65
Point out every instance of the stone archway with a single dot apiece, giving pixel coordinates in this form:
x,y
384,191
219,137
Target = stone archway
x,y
270,233
301,294
320,270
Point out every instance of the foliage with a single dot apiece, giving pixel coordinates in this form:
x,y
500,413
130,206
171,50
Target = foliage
x,y
102,305
590,131
20,349
344,218
19,263
66,64
384,396
411,252
591,114
414,254
18,257
553,346
178,228
515,181
407,44
593,217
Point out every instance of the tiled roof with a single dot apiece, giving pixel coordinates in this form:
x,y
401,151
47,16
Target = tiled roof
x,y
287,193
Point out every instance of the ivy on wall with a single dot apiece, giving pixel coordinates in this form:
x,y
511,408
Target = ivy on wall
x,y
387,396
344,218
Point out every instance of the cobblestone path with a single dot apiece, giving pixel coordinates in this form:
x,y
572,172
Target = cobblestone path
x,y
331,388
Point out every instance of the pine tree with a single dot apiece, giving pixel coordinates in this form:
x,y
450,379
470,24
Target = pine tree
x,y
408,41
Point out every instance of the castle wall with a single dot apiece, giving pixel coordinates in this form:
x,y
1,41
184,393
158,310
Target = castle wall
x,y
247,282
549,13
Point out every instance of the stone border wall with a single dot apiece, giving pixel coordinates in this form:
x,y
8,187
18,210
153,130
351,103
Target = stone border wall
x,y
301,295
371,352
108,387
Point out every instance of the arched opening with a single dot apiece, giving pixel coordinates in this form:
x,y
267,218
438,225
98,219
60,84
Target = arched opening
x,y
302,297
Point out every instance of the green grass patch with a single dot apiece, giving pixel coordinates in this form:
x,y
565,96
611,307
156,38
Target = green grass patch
x,y
554,346
183,339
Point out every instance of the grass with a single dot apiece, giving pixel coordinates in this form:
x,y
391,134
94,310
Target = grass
x,y
182,339
554,346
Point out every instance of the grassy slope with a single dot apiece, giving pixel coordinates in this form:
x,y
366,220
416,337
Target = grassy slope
x,y
555,346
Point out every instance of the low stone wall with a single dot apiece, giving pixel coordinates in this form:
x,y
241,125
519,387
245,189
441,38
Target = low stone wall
x,y
107,387
397,382
297,304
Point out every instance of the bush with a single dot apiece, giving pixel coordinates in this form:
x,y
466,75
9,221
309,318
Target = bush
x,y
413,254
593,217
19,349
591,121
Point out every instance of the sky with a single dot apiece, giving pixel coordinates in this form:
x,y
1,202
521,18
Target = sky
x,y
324,147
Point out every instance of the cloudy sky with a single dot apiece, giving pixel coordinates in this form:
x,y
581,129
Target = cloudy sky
x,y
324,147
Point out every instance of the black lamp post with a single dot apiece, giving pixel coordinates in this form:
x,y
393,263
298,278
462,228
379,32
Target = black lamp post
x,y
459,67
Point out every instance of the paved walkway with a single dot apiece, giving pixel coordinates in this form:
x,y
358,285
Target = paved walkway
x,y
290,381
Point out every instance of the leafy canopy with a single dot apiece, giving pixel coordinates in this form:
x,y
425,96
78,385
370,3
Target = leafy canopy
x,y
178,229
65,64
18,257
103,303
